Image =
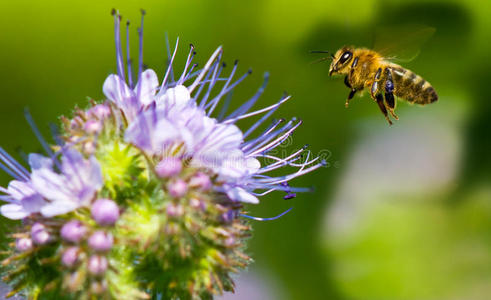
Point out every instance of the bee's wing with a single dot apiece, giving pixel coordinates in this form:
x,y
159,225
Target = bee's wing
x,y
401,43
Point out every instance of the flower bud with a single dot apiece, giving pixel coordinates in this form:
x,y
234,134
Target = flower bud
x,y
105,211
101,241
229,216
73,231
197,204
99,111
168,167
174,210
177,188
89,147
93,126
97,264
230,241
39,234
76,122
23,244
98,287
201,181
70,256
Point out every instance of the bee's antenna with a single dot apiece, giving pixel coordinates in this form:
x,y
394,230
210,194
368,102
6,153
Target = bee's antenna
x,y
319,51
320,60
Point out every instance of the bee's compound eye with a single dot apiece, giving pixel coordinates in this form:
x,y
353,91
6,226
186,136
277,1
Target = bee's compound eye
x,y
345,57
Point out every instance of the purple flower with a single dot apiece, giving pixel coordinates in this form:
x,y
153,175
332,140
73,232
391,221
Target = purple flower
x,y
174,210
22,197
99,111
39,234
75,186
24,200
201,181
177,188
73,231
93,126
101,241
105,211
168,167
131,100
70,256
178,117
23,244
97,264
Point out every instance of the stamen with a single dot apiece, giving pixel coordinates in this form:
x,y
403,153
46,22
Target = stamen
x,y
39,136
190,73
289,177
267,219
220,95
246,106
7,199
207,79
8,171
267,136
216,73
276,142
55,133
202,83
167,44
271,107
13,164
119,51
225,106
188,62
169,68
140,54
128,56
266,133
275,188
249,72
205,69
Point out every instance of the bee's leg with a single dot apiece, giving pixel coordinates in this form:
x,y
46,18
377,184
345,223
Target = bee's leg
x,y
381,105
346,82
389,99
389,96
352,92
353,66
350,96
374,89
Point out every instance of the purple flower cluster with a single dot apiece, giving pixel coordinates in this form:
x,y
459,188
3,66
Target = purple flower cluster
x,y
161,167
52,188
175,119
172,120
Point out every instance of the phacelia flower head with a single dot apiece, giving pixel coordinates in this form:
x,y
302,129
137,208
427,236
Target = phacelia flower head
x,y
143,194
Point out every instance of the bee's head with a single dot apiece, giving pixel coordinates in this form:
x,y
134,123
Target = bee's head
x,y
341,60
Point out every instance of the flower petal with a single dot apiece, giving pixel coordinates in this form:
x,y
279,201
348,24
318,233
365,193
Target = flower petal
x,y
146,89
58,208
38,161
13,211
20,189
116,90
178,96
50,185
239,194
150,133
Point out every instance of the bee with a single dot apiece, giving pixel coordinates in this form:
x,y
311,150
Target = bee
x,y
367,69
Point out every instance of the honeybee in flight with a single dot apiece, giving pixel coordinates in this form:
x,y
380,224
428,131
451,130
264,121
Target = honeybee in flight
x,y
365,68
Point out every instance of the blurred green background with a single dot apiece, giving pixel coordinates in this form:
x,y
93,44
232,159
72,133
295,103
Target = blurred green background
x,y
401,212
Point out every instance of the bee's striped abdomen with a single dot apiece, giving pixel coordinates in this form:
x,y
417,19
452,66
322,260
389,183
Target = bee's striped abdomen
x,y
412,87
